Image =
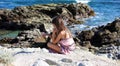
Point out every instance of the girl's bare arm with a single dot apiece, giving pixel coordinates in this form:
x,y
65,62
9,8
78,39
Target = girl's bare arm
x,y
57,39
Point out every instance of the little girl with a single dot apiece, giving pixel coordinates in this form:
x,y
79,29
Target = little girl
x,y
62,41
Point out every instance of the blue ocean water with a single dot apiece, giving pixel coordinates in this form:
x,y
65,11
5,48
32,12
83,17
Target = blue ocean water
x,y
14,3
106,10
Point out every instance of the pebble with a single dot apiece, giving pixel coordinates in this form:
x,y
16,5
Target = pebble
x,y
66,60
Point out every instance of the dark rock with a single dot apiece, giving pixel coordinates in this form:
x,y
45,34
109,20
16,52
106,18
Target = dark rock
x,y
66,60
28,17
118,56
6,40
23,18
86,44
86,35
103,35
93,49
80,10
46,27
50,62
30,38
114,26
77,41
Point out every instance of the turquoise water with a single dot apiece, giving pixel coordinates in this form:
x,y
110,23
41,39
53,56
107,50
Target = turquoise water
x,y
106,10
8,34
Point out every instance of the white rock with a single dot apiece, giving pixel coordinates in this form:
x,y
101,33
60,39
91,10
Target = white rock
x,y
85,63
45,50
40,63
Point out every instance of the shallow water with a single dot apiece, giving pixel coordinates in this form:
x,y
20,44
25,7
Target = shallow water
x,y
8,34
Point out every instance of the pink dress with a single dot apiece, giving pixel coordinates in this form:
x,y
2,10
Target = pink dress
x,y
67,45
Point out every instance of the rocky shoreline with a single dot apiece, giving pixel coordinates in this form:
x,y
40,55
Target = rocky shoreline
x,y
28,17
106,38
33,20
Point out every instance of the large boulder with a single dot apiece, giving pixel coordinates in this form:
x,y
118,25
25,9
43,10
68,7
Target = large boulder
x,y
52,9
27,17
80,10
103,35
22,18
86,35
114,26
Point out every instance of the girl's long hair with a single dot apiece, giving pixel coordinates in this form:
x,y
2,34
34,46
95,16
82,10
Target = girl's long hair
x,y
59,23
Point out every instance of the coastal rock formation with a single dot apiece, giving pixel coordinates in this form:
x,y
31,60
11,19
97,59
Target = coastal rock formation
x,y
22,18
80,11
29,38
27,17
106,38
109,34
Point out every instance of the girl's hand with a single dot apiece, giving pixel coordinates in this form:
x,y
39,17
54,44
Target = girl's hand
x,y
44,34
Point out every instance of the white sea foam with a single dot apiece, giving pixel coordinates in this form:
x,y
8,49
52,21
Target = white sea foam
x,y
83,1
80,27
112,1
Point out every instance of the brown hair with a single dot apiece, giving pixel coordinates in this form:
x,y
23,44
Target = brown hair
x,y
59,23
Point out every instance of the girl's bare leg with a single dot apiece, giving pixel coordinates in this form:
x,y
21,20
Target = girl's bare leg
x,y
54,47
